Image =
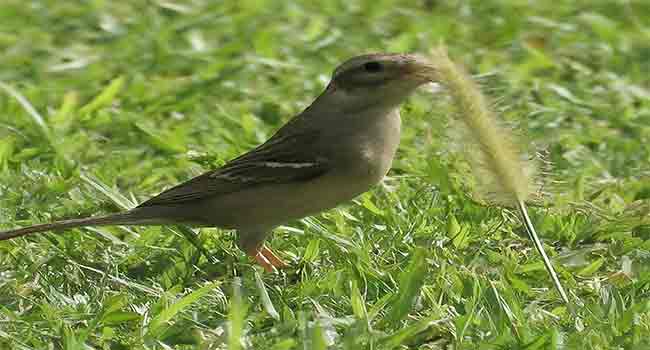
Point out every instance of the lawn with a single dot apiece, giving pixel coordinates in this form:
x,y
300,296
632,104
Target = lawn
x,y
103,104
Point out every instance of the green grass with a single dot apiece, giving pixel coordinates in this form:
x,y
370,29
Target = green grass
x,y
121,99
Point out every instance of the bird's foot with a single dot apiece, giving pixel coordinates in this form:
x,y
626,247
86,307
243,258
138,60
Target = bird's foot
x,y
268,260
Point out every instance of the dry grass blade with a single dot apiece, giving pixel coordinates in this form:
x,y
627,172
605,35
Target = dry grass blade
x,y
506,177
540,249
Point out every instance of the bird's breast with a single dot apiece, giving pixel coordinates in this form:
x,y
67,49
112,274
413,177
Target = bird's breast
x,y
376,144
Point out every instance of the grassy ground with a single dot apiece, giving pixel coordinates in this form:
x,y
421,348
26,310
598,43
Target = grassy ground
x,y
117,100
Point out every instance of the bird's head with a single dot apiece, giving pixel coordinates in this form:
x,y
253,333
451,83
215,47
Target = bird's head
x,y
378,80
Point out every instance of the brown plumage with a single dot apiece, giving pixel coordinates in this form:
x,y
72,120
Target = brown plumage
x,y
336,149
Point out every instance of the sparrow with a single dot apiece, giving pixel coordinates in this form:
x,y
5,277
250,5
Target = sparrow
x,y
336,149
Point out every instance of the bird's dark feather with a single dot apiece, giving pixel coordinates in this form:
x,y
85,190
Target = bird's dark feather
x,y
266,164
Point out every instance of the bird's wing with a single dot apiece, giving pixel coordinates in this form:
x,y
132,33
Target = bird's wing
x,y
282,159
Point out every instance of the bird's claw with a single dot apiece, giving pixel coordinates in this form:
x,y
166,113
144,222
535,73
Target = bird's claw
x,y
268,260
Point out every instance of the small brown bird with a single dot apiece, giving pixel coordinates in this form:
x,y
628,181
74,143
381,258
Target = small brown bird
x,y
336,149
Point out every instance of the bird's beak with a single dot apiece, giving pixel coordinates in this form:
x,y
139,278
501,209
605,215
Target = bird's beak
x,y
421,69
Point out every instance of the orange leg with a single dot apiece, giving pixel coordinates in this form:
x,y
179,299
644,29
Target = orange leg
x,y
267,259
272,258
262,261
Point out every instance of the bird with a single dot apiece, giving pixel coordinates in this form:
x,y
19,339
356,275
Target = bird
x,y
339,147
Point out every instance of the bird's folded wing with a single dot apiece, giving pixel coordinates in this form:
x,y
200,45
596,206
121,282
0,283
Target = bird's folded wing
x,y
282,159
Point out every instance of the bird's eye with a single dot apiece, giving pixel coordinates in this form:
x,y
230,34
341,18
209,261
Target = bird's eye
x,y
373,67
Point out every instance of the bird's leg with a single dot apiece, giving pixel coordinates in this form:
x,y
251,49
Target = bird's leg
x,y
262,260
266,258
272,258
252,242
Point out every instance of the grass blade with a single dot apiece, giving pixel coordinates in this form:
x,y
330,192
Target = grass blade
x,y
540,249
410,282
266,300
40,121
156,326
402,336
236,317
116,197
106,97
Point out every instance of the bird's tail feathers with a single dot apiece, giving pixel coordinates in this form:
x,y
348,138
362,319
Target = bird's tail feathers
x,y
132,217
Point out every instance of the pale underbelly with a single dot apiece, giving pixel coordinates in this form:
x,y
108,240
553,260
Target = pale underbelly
x,y
265,207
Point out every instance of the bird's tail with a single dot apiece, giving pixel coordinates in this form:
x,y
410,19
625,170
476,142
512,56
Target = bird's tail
x,y
132,217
